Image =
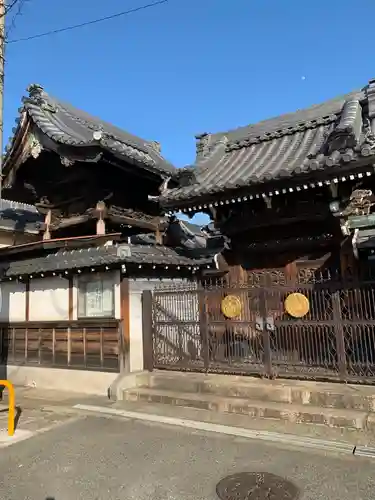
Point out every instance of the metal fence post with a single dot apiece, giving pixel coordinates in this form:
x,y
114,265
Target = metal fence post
x,y
267,357
339,335
147,331
203,326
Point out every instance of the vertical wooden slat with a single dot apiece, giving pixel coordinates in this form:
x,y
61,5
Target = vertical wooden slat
x,y
26,343
124,340
53,345
71,301
14,344
39,345
27,300
69,345
101,347
84,347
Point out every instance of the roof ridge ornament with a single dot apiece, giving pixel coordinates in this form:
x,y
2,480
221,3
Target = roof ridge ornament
x,y
370,94
156,146
203,145
347,133
36,96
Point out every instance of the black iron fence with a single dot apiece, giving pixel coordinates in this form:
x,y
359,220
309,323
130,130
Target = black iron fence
x,y
185,329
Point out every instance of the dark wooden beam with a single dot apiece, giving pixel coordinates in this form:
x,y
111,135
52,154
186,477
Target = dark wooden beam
x,y
243,222
65,222
282,245
130,221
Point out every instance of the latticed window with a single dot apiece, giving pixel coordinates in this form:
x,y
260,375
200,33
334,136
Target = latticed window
x,y
96,296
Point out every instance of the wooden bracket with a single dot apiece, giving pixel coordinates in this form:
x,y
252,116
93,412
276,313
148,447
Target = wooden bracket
x,y
47,224
101,212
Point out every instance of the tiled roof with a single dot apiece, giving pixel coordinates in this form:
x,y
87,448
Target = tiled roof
x,y
21,217
101,256
68,125
318,138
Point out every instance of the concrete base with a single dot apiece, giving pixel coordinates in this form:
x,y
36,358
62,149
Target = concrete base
x,y
126,381
79,381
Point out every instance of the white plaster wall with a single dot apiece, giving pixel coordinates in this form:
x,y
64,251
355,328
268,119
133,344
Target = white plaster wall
x,y
135,336
136,287
49,299
117,280
12,302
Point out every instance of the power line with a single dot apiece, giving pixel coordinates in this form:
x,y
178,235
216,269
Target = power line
x,y
87,23
13,22
10,7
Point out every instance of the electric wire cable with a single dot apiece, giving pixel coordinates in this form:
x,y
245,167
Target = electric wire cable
x,y
87,23
12,26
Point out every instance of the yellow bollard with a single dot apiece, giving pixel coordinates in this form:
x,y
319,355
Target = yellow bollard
x,y
11,405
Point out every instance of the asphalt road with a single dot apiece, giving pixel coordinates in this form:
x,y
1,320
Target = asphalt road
x,y
108,458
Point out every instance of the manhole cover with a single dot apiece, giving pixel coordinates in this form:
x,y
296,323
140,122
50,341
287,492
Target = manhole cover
x,y
256,486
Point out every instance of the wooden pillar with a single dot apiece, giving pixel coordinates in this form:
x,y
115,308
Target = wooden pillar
x,y
47,224
348,263
27,299
125,322
100,212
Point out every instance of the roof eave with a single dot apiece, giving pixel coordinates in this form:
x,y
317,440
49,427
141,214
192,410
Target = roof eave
x,y
202,202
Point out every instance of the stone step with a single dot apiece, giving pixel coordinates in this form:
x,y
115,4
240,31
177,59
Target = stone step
x,y
294,413
319,394
353,437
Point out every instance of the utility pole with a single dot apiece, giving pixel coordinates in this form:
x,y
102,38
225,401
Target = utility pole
x,y
2,65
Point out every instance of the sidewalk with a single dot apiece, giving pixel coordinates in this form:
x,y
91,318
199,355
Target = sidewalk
x,y
40,410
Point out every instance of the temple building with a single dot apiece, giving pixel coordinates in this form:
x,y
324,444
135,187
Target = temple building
x,y
294,198
84,237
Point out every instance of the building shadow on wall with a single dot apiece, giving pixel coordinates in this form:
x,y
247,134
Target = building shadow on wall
x,y
4,335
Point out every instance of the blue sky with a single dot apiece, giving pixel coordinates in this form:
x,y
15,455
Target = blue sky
x,y
191,66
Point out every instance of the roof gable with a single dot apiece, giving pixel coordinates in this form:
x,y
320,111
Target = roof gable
x,y
64,124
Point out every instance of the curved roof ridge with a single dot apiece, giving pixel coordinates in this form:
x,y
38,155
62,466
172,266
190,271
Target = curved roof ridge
x,y
272,124
66,124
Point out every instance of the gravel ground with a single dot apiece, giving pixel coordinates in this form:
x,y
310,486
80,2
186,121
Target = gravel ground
x,y
110,458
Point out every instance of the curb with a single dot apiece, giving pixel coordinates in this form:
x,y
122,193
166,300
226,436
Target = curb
x,y
275,437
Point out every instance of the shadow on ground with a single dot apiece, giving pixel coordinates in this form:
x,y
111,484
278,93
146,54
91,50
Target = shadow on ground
x,y
16,417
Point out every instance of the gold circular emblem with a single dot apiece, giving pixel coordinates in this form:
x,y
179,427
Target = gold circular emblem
x,y
231,306
297,305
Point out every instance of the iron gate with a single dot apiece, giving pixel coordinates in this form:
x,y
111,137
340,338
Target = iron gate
x,y
334,340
